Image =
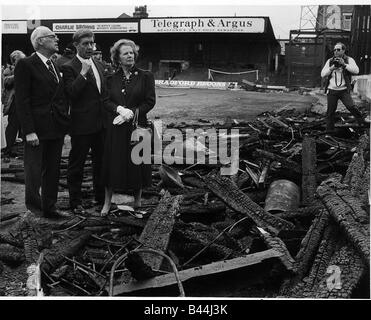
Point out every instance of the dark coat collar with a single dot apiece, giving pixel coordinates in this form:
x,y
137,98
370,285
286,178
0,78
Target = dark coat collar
x,y
44,70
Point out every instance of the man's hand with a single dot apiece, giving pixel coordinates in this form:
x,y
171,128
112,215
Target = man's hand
x,y
341,61
85,68
32,139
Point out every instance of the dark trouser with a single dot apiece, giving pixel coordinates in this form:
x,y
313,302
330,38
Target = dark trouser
x,y
81,144
11,131
41,168
332,102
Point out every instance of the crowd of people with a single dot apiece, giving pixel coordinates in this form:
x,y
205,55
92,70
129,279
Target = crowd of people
x,y
76,93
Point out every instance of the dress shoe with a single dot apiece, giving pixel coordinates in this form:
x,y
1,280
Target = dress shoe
x,y
57,214
79,210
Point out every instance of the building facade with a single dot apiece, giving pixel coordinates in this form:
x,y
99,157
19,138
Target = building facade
x,y
188,46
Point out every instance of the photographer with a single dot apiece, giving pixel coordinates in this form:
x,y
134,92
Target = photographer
x,y
338,71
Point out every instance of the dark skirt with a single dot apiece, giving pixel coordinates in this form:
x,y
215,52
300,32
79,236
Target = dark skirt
x,y
118,171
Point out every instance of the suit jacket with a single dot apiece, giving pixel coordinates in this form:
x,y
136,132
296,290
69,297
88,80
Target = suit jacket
x,y
139,93
87,103
39,99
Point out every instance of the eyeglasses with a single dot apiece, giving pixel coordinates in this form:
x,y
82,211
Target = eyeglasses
x,y
52,36
337,49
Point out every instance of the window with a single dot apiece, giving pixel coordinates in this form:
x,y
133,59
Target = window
x,y
347,21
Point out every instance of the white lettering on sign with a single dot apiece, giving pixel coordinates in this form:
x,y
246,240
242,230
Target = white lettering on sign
x,y
197,84
216,24
14,27
114,27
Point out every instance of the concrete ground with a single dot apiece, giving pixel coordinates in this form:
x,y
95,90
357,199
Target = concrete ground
x,y
189,105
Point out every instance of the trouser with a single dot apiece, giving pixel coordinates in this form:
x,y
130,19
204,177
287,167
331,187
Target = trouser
x,y
332,101
80,146
41,167
11,131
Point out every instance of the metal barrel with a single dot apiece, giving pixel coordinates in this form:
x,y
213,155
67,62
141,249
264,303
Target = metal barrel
x,y
283,195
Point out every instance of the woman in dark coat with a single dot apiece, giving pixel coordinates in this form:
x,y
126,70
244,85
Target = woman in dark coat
x,y
129,88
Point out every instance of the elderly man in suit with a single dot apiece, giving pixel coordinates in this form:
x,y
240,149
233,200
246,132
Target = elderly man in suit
x,y
42,110
86,90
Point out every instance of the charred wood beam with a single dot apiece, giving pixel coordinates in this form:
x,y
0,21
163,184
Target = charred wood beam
x,y
308,250
227,191
198,212
156,233
309,159
11,255
343,275
204,270
358,173
286,163
55,256
311,242
307,287
8,216
347,211
307,212
30,242
6,237
278,245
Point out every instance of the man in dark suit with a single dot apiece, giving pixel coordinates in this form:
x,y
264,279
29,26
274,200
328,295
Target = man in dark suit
x,y
86,90
42,110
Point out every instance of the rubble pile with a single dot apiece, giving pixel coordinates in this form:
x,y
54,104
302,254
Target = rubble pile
x,y
292,222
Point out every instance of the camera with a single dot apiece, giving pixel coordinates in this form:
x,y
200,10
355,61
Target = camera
x,y
335,62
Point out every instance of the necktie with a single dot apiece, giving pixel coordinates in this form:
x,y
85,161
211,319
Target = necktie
x,y
91,76
51,69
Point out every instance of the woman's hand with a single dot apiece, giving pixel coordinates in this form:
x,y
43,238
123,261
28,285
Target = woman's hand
x,y
125,112
120,120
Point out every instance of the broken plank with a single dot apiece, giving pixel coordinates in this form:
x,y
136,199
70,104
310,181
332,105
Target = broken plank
x,y
212,268
263,175
278,245
347,211
228,191
67,248
309,160
156,233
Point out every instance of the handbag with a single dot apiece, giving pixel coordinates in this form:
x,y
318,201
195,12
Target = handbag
x,y
138,130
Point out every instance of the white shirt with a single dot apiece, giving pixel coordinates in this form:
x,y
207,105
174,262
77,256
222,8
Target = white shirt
x,y
337,81
94,68
44,60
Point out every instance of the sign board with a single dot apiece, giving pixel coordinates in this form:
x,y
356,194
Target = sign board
x,y
216,24
104,27
197,84
14,27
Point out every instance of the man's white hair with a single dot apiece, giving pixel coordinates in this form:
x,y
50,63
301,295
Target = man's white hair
x,y
37,33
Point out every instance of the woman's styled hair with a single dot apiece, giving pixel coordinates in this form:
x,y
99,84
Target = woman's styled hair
x,y
115,50
15,54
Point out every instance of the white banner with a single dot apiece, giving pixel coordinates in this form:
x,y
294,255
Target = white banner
x,y
14,27
109,27
197,84
216,24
